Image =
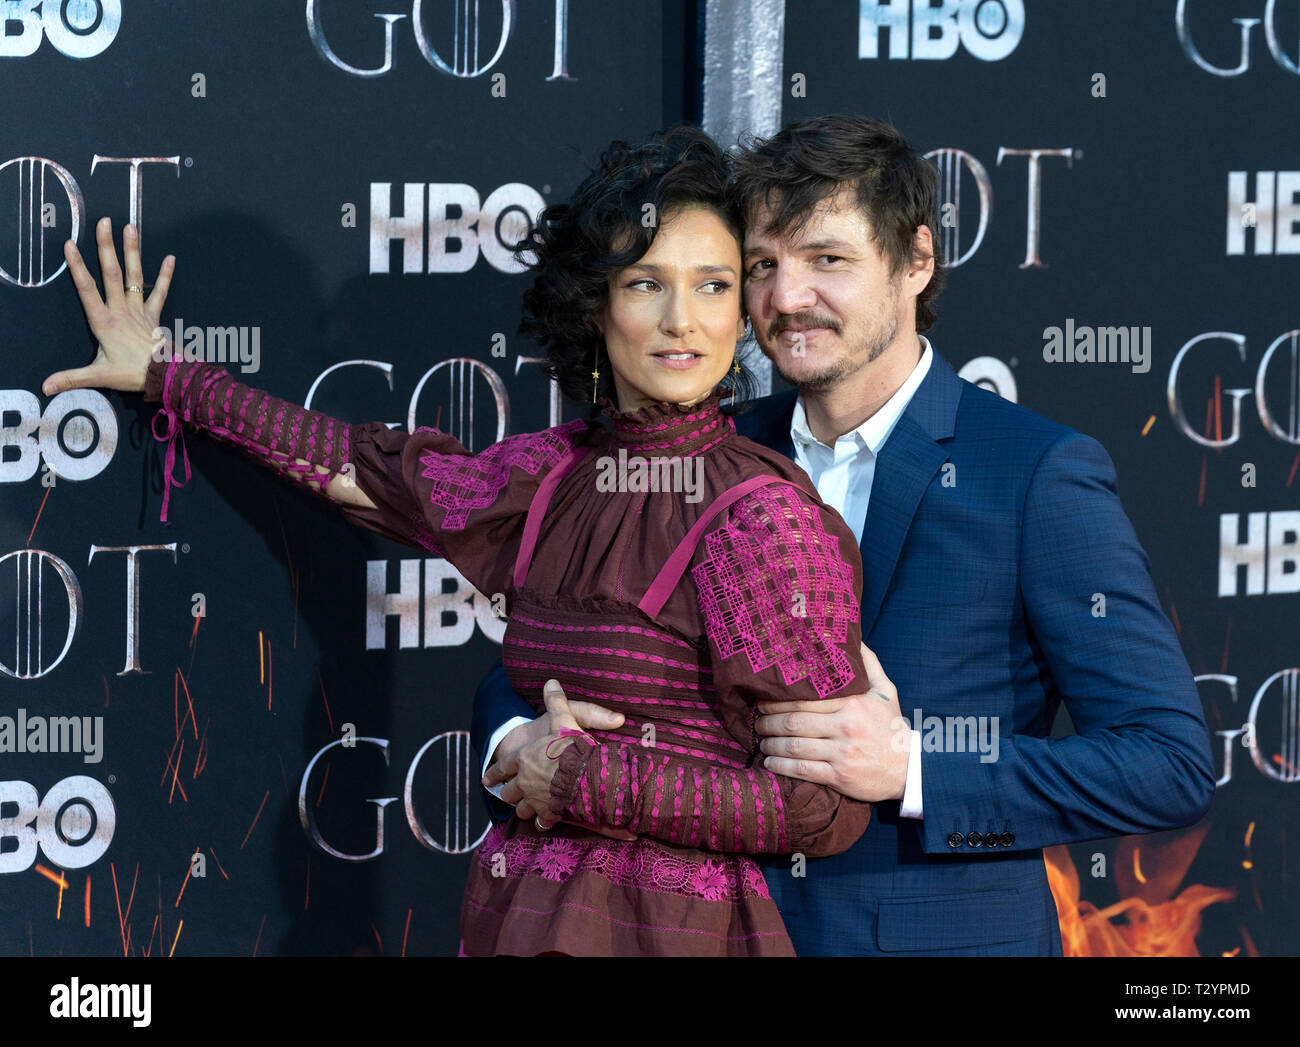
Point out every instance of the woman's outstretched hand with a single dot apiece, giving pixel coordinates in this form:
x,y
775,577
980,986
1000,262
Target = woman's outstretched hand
x,y
123,320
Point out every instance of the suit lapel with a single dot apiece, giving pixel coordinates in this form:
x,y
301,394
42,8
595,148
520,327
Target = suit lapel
x,y
905,467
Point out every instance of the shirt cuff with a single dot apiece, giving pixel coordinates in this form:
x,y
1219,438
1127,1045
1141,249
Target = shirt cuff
x,y
911,803
492,744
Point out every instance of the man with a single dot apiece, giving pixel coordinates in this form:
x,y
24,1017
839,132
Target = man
x,y
1001,577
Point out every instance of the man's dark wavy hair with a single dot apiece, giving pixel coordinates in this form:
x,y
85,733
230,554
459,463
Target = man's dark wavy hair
x,y
807,162
603,228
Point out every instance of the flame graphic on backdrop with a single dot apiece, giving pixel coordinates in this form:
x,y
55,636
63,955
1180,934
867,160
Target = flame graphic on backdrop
x,y
1148,920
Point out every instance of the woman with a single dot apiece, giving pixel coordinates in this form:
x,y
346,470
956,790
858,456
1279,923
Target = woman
x,y
680,609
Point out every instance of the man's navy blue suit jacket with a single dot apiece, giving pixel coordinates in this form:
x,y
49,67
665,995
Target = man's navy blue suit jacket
x,y
1001,577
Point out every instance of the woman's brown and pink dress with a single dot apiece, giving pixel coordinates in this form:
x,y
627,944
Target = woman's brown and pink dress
x,y
680,609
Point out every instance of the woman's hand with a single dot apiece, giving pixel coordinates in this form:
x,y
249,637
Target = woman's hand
x,y
528,771
538,762
123,320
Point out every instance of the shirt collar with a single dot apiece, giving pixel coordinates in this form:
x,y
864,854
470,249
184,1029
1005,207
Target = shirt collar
x,y
872,433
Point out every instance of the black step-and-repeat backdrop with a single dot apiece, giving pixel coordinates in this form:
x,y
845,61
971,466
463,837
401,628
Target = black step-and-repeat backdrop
x,y
245,732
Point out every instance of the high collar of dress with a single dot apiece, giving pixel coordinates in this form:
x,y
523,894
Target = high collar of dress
x,y
669,430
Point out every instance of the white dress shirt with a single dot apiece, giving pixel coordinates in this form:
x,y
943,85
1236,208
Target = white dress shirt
x,y
843,476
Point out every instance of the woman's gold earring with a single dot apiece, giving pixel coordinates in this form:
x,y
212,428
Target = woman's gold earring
x,y
595,374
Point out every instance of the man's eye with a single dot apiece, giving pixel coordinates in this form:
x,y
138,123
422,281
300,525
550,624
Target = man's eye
x,y
831,258
762,265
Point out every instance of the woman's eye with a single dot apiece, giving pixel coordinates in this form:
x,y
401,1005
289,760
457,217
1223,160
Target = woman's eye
x,y
719,286
644,284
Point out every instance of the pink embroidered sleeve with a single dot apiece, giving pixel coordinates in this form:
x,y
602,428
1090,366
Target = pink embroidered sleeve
x,y
779,587
428,490
273,431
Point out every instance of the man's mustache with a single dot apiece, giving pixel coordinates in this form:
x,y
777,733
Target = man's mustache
x,y
788,320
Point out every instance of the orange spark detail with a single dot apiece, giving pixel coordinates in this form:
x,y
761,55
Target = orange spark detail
x,y
189,868
121,924
170,755
193,719
131,899
38,515
175,772
255,817
329,715
201,757
53,877
325,778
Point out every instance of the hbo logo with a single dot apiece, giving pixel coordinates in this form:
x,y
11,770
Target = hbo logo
x,y
458,229
74,823
76,435
78,28
988,29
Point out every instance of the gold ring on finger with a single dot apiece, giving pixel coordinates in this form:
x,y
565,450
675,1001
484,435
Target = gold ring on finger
x,y
537,821
135,287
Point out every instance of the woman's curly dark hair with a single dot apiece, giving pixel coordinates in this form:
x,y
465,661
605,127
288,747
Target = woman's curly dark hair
x,y
605,227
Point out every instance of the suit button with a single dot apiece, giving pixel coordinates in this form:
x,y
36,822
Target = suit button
x,y
954,840
974,839
990,839
1008,839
